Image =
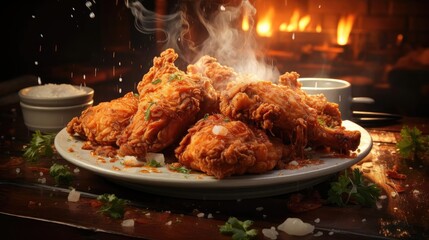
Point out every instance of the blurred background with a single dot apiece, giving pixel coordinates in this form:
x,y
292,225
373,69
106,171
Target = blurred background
x,y
380,46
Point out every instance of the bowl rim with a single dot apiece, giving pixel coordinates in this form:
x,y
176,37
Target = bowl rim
x,y
33,107
88,91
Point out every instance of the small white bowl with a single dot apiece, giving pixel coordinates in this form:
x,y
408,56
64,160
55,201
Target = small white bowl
x,y
50,119
56,101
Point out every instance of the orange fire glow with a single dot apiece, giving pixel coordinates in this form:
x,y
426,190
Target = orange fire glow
x,y
344,28
245,24
263,28
296,23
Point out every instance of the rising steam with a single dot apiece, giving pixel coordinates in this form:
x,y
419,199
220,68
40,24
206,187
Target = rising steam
x,y
224,39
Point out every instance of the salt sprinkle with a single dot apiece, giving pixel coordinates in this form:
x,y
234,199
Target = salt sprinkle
x,y
18,170
259,209
168,223
416,192
209,215
317,220
200,215
76,170
363,219
331,233
318,234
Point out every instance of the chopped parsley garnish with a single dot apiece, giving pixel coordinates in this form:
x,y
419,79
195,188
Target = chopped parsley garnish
x,y
206,116
112,205
156,81
353,189
240,230
227,120
61,174
153,163
147,113
413,144
179,168
40,145
174,76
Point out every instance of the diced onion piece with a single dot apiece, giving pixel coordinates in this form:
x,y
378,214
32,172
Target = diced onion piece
x,y
296,227
128,223
158,157
293,163
270,233
219,130
73,196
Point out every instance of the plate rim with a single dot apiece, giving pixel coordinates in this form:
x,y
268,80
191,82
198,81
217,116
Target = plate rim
x,y
282,176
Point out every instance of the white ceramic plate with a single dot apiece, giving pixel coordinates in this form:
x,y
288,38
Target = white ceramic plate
x,y
201,186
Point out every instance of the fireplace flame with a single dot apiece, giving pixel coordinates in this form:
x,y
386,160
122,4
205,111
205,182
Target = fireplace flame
x,y
344,28
263,28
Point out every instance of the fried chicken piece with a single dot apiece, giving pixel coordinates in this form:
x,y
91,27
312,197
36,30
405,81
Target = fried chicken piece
x,y
168,104
103,123
209,67
283,111
328,112
222,148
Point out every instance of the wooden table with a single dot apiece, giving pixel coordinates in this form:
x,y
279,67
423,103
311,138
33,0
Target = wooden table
x,y
32,206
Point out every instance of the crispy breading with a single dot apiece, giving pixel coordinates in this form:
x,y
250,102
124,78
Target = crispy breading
x,y
168,104
222,148
103,123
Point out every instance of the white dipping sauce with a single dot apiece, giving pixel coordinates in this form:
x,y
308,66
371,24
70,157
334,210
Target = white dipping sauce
x,y
55,90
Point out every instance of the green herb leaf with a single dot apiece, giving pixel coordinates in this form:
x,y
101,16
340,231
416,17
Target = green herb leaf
x,y
353,189
156,81
147,113
412,143
175,76
112,205
180,169
238,229
153,163
40,145
61,174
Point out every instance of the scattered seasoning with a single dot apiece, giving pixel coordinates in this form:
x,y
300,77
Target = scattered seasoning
x,y
112,205
240,230
39,146
61,174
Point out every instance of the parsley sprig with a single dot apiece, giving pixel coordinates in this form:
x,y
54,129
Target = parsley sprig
x,y
40,145
178,168
61,174
413,144
112,205
240,230
353,189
